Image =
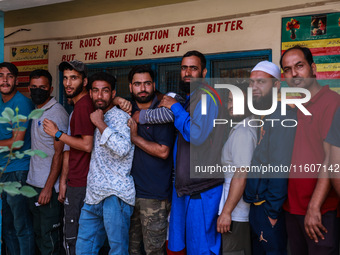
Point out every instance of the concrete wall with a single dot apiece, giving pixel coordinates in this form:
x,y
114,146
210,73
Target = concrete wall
x,y
210,26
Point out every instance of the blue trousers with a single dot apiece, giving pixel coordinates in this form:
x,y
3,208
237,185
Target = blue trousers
x,y
193,223
110,218
16,218
267,239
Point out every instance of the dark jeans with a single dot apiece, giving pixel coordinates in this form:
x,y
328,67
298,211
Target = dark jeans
x,y
16,218
74,201
301,244
46,223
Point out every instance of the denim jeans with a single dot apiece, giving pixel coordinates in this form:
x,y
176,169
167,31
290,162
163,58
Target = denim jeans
x,y
16,218
111,218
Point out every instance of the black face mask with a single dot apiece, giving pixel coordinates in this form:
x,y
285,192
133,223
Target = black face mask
x,y
39,96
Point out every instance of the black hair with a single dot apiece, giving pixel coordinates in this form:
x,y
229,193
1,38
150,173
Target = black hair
x,y
306,52
41,73
141,69
196,54
101,76
11,67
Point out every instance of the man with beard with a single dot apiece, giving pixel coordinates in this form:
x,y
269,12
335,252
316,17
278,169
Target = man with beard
x,y
267,191
17,222
195,201
110,193
151,168
233,222
311,205
80,142
44,173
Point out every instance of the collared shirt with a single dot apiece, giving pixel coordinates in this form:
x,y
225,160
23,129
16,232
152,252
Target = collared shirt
x,y
152,175
111,161
40,167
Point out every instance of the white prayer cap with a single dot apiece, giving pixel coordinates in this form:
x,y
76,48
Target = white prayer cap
x,y
269,68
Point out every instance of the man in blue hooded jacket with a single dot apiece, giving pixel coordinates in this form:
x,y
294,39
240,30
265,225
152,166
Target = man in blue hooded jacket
x,y
264,190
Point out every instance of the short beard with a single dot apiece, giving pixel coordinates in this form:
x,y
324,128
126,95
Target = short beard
x,y
10,92
237,118
184,86
263,103
104,106
76,92
143,100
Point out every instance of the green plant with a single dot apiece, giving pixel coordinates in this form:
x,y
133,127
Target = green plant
x,y
15,120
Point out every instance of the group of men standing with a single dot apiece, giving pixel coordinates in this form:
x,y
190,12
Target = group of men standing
x,y
96,178
300,205
115,180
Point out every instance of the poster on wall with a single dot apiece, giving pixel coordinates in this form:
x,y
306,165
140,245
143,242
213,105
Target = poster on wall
x,y
28,58
1,36
320,33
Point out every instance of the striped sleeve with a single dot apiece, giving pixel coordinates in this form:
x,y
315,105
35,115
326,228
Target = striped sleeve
x,y
156,116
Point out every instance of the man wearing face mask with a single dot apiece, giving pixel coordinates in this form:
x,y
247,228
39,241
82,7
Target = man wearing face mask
x,y
43,173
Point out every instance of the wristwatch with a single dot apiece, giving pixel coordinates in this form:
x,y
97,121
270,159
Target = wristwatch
x,y
58,135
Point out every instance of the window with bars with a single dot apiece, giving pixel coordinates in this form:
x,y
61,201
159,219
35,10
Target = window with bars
x,y
235,68
228,65
168,77
121,74
239,67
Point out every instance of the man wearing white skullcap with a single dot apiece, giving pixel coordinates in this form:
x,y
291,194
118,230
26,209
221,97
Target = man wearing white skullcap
x,y
267,191
269,68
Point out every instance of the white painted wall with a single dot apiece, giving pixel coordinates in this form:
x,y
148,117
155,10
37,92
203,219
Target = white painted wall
x,y
261,23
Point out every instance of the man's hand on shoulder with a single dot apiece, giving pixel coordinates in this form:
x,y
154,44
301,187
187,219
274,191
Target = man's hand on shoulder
x,y
167,102
124,104
132,124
